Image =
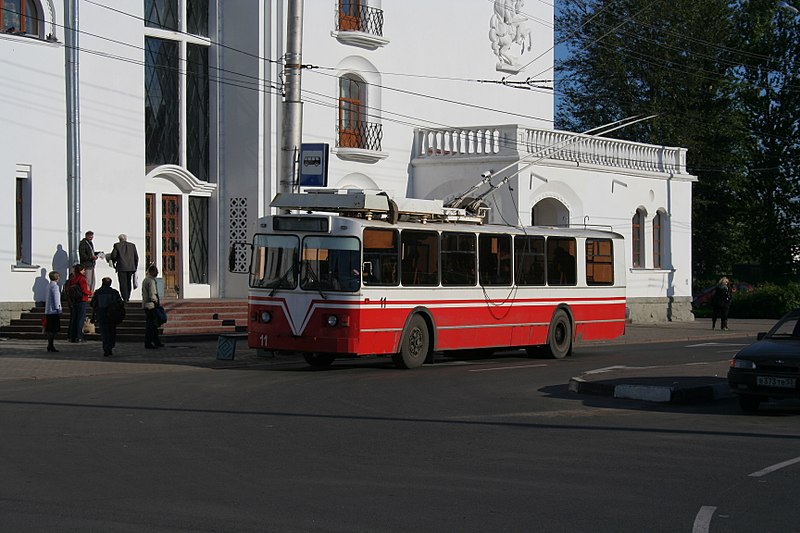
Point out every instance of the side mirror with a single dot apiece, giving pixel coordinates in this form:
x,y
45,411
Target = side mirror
x,y
231,258
760,335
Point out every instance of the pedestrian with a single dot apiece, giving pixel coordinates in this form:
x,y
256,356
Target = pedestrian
x,y
77,291
150,301
125,260
721,303
88,258
52,311
105,304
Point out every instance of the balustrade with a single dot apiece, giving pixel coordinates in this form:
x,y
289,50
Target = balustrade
x,y
548,144
363,135
358,17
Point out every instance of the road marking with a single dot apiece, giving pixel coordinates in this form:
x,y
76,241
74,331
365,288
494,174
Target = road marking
x,y
505,368
773,468
615,367
715,344
703,519
460,363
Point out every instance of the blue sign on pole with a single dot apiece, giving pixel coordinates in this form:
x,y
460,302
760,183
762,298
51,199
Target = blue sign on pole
x,y
314,165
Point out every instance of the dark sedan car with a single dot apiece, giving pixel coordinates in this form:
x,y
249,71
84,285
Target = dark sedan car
x,y
769,368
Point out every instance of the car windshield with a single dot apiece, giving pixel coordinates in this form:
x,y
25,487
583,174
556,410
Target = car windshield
x,y
787,328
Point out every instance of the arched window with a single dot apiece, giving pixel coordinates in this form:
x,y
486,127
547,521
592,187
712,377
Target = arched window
x,y
352,99
177,114
637,239
658,240
20,16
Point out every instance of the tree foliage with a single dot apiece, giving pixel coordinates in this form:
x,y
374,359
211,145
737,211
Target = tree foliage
x,y
708,70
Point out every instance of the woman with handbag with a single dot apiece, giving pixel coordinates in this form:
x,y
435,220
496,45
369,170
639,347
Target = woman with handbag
x,y
77,291
150,302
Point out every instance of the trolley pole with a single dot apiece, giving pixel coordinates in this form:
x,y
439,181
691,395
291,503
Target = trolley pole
x,y
292,127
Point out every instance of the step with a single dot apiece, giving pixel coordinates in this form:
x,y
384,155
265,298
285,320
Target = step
x,y
187,318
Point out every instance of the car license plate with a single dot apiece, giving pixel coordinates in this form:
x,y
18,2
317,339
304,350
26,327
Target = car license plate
x,y
768,381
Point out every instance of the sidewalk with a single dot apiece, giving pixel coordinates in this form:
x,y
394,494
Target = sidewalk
x,y
686,383
699,329
28,359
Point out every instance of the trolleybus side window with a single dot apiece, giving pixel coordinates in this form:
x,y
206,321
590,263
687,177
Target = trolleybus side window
x,y
561,265
459,259
599,262
330,264
494,259
274,261
529,260
420,257
381,257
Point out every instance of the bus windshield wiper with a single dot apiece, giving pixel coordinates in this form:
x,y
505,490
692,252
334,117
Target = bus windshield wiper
x,y
313,278
282,282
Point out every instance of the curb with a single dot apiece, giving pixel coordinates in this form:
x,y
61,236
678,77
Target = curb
x,y
652,393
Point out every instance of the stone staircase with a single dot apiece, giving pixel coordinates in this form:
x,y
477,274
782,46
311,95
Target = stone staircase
x,y
188,319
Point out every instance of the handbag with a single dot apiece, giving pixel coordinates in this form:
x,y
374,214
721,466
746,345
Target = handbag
x,y
161,315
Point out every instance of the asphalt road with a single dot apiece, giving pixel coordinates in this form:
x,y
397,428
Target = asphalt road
x,y
475,444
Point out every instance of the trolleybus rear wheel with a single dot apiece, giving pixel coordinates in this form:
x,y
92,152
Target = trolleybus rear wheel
x,y
319,360
559,336
415,345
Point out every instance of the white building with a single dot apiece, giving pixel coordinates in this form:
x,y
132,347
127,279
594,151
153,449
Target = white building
x,y
180,112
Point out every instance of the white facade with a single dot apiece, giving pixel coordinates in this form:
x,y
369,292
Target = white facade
x,y
422,67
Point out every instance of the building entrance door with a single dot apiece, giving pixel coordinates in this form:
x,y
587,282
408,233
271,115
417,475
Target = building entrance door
x,y
171,244
149,231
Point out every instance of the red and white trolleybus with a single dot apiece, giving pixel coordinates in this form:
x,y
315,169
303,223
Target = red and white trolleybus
x,y
351,273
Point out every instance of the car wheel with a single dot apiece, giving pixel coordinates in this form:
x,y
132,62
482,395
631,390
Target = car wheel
x,y
749,403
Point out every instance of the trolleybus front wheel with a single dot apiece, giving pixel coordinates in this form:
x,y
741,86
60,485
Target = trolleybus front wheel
x,y
559,336
415,345
319,360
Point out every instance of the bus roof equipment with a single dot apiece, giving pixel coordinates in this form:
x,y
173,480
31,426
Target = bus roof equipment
x,y
375,206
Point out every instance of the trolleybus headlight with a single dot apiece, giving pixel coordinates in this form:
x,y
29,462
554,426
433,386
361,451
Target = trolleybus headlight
x,y
332,320
265,316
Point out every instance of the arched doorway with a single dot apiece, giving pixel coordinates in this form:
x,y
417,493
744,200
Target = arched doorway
x,y
549,212
178,231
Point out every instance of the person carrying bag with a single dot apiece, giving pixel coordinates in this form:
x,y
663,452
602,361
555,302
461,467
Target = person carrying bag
x,y
151,304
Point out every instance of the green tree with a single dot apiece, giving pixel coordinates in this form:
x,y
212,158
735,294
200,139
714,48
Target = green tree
x,y
631,57
769,95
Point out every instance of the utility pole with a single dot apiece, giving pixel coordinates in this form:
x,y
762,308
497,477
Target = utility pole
x,y
292,127
73,130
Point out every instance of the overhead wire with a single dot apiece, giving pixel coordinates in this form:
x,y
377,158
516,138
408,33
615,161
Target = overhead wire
x,y
269,88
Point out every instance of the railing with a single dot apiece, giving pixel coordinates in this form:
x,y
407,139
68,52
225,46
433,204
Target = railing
x,y
357,17
516,141
364,135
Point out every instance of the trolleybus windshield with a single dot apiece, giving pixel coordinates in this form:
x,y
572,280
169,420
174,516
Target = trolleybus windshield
x,y
274,262
330,264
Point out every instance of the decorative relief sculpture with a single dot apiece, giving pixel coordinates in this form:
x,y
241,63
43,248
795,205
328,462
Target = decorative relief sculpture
x,y
509,27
